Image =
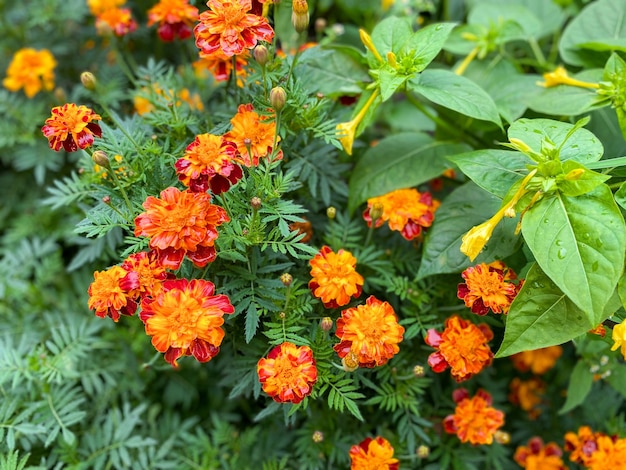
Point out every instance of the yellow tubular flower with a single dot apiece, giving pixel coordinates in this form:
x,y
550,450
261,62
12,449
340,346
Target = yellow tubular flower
x,y
347,130
366,39
559,77
468,60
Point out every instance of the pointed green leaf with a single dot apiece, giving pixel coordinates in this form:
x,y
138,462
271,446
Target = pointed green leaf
x,y
580,383
389,81
390,35
424,45
252,321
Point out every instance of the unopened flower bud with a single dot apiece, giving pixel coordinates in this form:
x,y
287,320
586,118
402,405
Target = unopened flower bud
x,y
604,360
376,212
350,362
331,212
60,95
261,55
100,158
300,7
502,437
320,25
88,80
256,202
575,174
282,315
106,199
326,324
286,279
300,15
318,437
278,97
418,371
423,451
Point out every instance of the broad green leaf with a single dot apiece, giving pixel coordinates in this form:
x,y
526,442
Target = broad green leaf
x,y
397,162
494,13
458,44
493,170
425,44
402,116
582,146
465,207
579,243
600,21
389,81
620,195
580,383
584,183
455,92
621,290
617,379
549,14
605,44
605,127
390,35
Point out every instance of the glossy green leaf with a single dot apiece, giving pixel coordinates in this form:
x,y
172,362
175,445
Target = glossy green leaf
x,y
389,81
579,243
494,13
390,35
425,44
400,161
465,207
580,383
455,92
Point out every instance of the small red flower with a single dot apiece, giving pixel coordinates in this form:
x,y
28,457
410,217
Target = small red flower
x,y
71,127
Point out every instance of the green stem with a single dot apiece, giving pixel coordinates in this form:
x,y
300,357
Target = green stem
x,y
122,190
534,45
608,163
370,232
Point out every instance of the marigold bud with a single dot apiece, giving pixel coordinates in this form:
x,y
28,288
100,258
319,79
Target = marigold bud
x,y
418,371
300,22
282,315
423,451
261,55
326,323
318,437
100,157
256,202
88,80
106,199
300,7
350,362
286,279
376,212
331,212
60,95
502,437
278,97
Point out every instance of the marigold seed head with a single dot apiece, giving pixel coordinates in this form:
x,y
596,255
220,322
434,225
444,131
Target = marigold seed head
x,y
318,437
331,212
278,98
88,80
418,371
100,158
326,324
423,451
261,55
350,362
286,279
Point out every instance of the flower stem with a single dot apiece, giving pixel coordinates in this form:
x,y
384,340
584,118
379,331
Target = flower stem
x,y
468,60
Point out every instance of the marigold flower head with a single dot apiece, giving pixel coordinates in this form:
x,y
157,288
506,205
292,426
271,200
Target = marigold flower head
x,y
373,454
253,135
97,7
406,210
229,26
181,223
71,127
145,275
107,297
334,277
220,66
370,331
619,338
175,18
303,227
539,456
474,419
582,444
462,346
527,394
185,318
209,162
118,21
538,361
609,455
31,70
288,373
485,288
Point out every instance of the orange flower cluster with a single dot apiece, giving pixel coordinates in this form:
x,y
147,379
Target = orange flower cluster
x,y
474,419
288,373
373,454
31,70
181,223
527,394
538,361
305,228
114,20
175,18
537,455
185,319
253,135
405,210
144,106
595,450
220,66
209,162
486,288
462,346
71,127
370,332
334,277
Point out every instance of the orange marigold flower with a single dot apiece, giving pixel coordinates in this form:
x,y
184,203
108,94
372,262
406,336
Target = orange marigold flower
x,y
181,223
527,394
185,319
334,277
406,210
106,295
288,373
175,17
582,444
145,275
538,361
609,455
303,227
220,66
253,135
71,127
370,331
97,7
462,346
485,288
118,21
209,162
373,454
229,27
31,70
474,419
537,456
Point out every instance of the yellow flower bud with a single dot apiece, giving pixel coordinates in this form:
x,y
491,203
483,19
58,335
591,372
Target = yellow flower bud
x,y
100,158
278,98
88,80
331,212
366,39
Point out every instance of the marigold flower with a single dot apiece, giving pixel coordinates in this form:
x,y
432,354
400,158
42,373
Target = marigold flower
x,y
118,21
406,210
560,77
527,394
185,319
145,275
229,26
220,66
288,373
619,338
303,227
97,7
370,331
209,162
175,17
582,444
462,346
373,454
181,223
539,361
334,277
106,295
540,456
609,455
253,135
474,419
71,127
165,97
31,70
485,288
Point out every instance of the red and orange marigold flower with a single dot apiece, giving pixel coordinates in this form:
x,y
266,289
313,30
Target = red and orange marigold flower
x,y
288,373
373,454
175,18
334,277
538,361
405,210
527,394
185,319
485,288
107,297
582,444
145,275
209,162
539,456
118,21
253,135
474,419
71,127
100,6
610,454
220,66
371,332
462,346
32,70
229,26
181,223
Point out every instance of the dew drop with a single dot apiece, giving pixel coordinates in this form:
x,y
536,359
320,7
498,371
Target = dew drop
x,y
561,253
559,242
594,266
